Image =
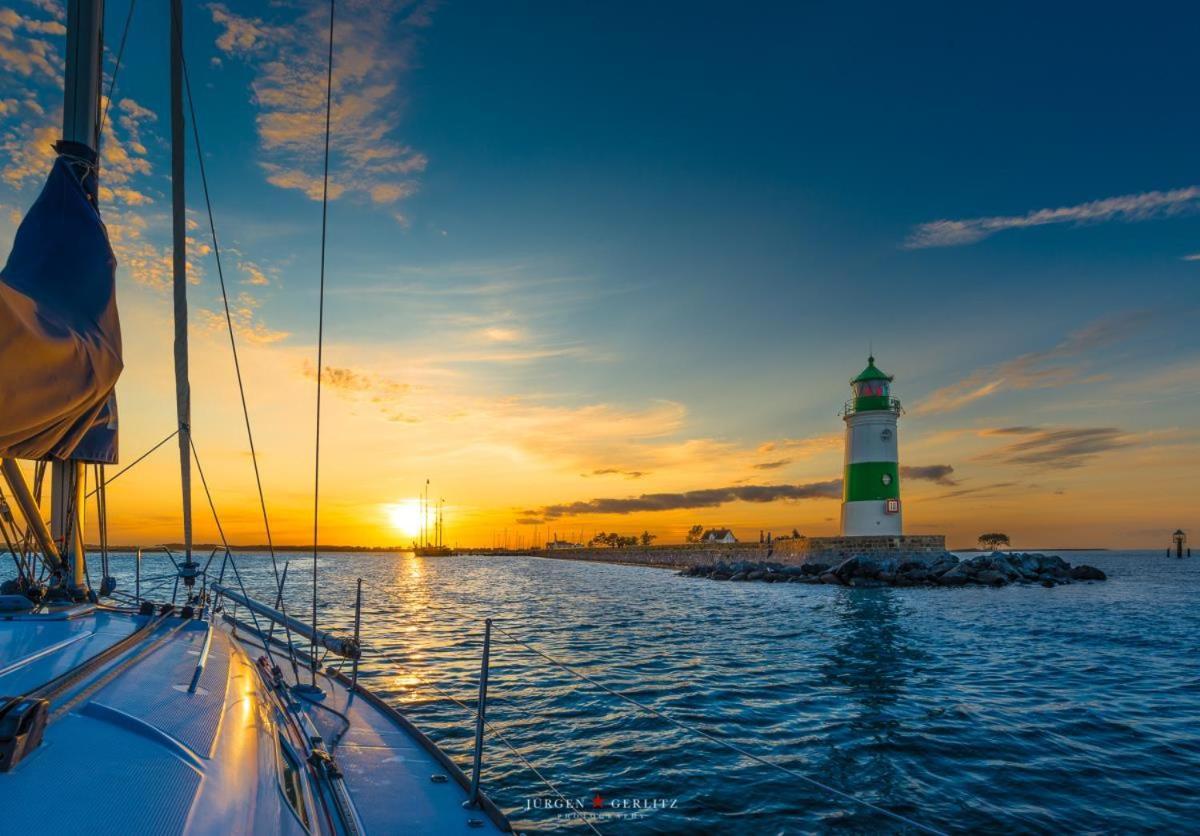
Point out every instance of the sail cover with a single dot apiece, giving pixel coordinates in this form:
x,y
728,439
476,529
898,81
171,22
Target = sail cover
x,y
60,337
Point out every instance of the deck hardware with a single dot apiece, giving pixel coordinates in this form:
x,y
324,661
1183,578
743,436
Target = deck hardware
x,y
22,722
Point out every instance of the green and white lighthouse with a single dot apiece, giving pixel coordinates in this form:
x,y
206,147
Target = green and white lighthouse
x,y
871,480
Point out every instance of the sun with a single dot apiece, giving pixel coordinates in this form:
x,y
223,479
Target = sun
x,y
405,517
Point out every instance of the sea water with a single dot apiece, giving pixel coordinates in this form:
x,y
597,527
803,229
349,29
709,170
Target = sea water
x,y
1015,709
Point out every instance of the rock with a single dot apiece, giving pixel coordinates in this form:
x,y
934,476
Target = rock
x,y
719,576
756,575
991,577
1087,573
957,576
738,576
847,569
867,583
1047,583
829,577
814,569
1049,562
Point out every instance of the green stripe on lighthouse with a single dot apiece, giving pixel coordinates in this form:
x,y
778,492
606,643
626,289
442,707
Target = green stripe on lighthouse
x,y
865,481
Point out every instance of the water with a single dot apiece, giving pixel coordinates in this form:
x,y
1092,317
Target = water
x,y
1019,709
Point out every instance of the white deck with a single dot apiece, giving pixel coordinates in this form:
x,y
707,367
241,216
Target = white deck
x,y
128,750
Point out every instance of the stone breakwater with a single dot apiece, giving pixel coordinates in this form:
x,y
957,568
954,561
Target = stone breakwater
x,y
917,569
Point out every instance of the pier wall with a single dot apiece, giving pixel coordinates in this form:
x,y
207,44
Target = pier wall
x,y
787,552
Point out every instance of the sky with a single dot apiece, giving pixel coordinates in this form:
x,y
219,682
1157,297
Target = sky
x,y
609,267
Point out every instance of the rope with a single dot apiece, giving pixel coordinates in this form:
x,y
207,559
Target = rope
x,y
132,463
212,227
731,746
321,333
112,83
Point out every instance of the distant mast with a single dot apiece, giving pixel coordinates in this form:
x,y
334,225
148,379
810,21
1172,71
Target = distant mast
x,y
871,479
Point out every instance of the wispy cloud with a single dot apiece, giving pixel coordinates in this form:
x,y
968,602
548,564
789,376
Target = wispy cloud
x,y
1064,448
1124,208
247,324
775,465
941,474
1039,369
704,498
616,471
373,48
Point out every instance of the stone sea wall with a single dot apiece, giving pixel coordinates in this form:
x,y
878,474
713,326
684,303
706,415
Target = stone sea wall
x,y
914,569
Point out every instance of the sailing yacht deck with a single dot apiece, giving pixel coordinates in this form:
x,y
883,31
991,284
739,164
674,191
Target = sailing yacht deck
x,y
128,737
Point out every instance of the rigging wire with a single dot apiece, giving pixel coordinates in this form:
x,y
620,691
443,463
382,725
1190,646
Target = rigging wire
x,y
112,82
212,228
321,333
107,482
233,561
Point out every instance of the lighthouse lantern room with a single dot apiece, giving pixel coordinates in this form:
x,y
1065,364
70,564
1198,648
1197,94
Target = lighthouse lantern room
x,y
871,479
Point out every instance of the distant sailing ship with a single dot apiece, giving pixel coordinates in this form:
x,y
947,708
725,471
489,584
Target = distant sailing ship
x,y
208,713
431,543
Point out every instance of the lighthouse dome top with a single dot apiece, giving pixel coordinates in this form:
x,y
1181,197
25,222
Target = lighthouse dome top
x,y
871,372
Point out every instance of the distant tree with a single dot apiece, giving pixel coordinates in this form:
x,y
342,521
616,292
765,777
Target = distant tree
x,y
600,539
795,534
648,538
993,540
695,533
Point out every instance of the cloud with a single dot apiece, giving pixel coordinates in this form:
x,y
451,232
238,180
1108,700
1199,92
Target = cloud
x,y
25,52
775,465
704,498
616,471
1039,369
1065,448
373,48
939,473
243,312
1192,257
254,274
1124,208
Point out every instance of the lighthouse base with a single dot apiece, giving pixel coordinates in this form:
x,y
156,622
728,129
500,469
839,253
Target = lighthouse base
x,y
871,518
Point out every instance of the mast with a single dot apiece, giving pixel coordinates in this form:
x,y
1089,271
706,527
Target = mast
x,y
81,138
183,392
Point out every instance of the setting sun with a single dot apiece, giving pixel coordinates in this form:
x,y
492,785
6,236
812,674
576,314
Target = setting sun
x,y
405,517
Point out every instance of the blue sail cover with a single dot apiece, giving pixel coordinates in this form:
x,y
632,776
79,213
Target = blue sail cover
x,y
60,336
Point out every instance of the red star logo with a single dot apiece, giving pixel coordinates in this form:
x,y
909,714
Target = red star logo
x,y
597,802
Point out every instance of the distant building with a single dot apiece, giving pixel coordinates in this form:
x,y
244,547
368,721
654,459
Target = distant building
x,y
561,544
718,535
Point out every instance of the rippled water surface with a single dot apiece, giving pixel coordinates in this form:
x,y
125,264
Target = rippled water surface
x,y
1016,709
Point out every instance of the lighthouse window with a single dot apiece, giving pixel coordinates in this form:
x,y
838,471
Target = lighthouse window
x,y
887,479
872,388
886,434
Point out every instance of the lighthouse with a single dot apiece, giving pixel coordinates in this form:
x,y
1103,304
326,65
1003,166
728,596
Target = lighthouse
x,y
871,479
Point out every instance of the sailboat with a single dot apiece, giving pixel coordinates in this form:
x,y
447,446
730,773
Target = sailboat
x,y
208,714
431,544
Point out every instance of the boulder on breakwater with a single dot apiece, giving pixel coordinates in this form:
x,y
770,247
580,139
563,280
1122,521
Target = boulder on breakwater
x,y
923,569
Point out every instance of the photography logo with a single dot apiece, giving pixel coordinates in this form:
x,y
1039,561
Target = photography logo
x,y
597,807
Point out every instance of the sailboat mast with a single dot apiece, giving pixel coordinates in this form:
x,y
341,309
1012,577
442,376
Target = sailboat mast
x,y
81,138
183,393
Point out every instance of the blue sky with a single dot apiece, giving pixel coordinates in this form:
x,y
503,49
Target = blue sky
x,y
695,218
